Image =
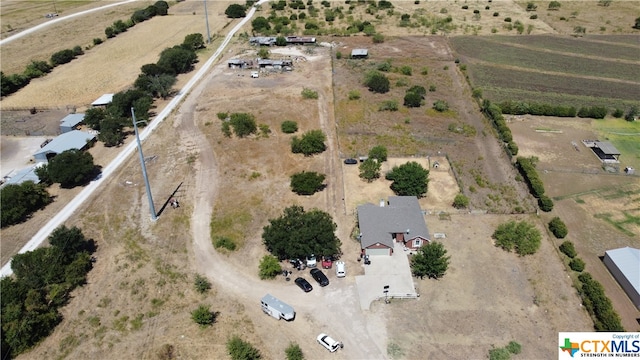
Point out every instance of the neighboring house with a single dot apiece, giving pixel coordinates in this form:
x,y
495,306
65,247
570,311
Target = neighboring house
x,y
70,122
103,100
359,53
624,265
400,220
74,139
263,40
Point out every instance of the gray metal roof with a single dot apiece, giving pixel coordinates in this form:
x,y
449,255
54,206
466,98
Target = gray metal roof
x,y
72,120
607,148
402,215
627,259
105,99
22,175
74,139
359,52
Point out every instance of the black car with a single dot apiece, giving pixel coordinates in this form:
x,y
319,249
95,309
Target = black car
x,y
351,161
320,277
304,284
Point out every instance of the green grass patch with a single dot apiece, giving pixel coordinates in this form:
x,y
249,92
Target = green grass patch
x,y
624,135
231,225
619,224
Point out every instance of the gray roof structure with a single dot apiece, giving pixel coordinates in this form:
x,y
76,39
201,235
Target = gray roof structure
x,y
71,120
607,148
22,175
103,100
402,215
359,52
74,139
627,260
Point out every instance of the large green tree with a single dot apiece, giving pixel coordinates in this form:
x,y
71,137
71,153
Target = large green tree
x,y
409,179
431,261
521,236
17,202
71,168
193,41
307,183
377,82
378,152
235,11
178,59
297,234
312,142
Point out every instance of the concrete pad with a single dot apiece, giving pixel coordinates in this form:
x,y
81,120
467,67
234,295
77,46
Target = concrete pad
x,y
393,271
17,152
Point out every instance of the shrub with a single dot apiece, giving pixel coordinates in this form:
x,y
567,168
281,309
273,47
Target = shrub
x,y
354,95
513,148
37,69
224,242
203,316
201,284
243,124
412,99
558,228
545,203
576,264
618,113
514,348
460,201
388,105
632,114
528,171
533,17
598,304
522,237
594,112
378,38
385,66
432,88
235,11
377,82
239,349
338,55
312,142
465,7
440,106
97,41
309,94
476,11
62,57
307,183
406,70
378,152
568,249
507,19
269,267
294,352
289,126
496,14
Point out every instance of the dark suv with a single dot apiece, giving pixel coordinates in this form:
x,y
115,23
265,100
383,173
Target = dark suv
x,y
303,284
320,277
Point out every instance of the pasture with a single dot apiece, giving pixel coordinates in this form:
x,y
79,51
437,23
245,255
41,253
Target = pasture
x,y
552,69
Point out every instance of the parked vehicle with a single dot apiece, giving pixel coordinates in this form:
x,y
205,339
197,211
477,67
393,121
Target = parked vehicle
x,y
255,74
327,262
298,264
277,308
329,343
303,284
350,161
341,270
320,277
311,261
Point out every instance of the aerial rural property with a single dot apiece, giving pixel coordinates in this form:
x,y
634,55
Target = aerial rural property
x,y
309,179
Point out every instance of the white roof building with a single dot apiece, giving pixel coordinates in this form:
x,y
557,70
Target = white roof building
x,y
74,139
624,265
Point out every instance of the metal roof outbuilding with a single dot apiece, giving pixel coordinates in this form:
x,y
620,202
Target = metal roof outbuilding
x,y
624,265
74,139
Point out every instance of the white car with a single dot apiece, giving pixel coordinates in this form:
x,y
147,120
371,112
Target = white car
x,y
329,343
255,74
311,261
341,270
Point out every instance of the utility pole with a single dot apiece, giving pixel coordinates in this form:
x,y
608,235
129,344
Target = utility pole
x,y
152,208
206,18
55,11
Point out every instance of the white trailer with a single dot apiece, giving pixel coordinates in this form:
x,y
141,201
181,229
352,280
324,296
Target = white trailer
x,y
276,308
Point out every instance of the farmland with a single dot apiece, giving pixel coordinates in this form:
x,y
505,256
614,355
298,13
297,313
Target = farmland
x,y
551,69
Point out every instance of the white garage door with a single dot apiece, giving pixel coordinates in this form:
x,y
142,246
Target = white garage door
x,y
384,251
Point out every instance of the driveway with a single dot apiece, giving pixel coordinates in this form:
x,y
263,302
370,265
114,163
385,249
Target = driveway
x,y
392,271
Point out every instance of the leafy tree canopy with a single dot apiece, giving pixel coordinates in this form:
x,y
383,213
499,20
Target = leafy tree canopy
x,y
177,58
431,260
269,267
409,179
244,124
260,24
193,42
235,11
289,126
412,99
377,82
17,202
307,183
239,349
312,142
558,228
203,316
370,169
297,234
378,152
71,168
522,237
460,201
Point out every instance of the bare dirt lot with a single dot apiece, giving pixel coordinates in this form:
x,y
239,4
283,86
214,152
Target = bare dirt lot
x,y
139,295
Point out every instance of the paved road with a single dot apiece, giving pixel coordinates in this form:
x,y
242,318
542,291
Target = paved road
x,y
73,205
59,19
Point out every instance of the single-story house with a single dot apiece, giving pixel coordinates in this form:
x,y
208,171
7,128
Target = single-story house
x,y
70,122
359,53
103,100
624,265
400,220
74,139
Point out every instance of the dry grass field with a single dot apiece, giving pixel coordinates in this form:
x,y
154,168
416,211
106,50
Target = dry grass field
x,y
139,295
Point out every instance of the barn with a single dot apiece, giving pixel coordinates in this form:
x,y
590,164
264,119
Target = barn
x,y
624,265
400,220
74,139
70,122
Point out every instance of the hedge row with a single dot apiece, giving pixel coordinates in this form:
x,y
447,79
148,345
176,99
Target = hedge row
x,y
527,168
494,113
598,305
521,108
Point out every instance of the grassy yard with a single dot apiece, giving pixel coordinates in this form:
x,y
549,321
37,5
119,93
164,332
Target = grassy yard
x,y
625,136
